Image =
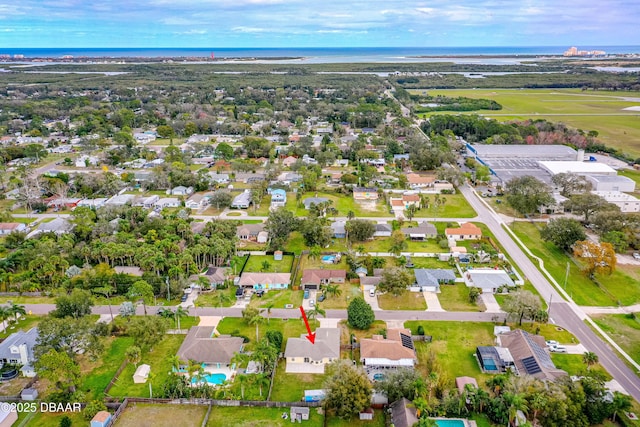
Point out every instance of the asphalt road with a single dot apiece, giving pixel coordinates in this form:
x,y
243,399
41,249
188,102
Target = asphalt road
x,y
566,314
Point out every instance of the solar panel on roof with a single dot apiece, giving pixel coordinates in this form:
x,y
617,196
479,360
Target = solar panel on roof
x,y
531,365
406,341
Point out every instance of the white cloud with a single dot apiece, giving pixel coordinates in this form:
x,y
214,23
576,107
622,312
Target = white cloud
x,y
242,29
191,32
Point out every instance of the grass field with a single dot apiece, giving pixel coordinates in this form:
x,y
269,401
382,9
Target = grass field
x,y
454,345
102,371
24,324
589,110
618,287
348,293
145,415
456,206
456,298
625,330
406,301
291,387
257,417
217,298
255,264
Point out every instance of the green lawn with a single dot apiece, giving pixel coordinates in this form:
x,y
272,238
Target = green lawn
x,y
548,331
456,298
255,264
342,202
291,387
102,371
378,421
257,417
406,301
454,345
158,359
430,262
52,419
28,300
349,292
293,327
24,324
456,206
216,298
573,365
589,110
279,298
146,415
617,287
624,329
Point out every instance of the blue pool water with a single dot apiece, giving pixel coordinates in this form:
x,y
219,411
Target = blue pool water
x,y
378,377
450,423
211,379
329,258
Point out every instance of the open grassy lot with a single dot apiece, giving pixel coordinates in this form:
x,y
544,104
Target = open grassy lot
x,y
145,415
291,387
548,331
158,359
454,344
342,202
255,264
406,301
257,417
348,293
624,329
13,387
618,287
456,298
278,298
293,327
217,298
455,206
573,364
98,374
52,419
588,110
378,421
28,300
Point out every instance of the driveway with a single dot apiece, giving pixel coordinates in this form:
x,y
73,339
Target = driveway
x,y
433,303
489,301
372,301
312,296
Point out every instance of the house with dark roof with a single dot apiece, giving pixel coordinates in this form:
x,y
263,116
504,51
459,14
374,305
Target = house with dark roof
x,y
314,278
395,351
383,230
309,201
422,232
250,232
304,357
201,345
530,355
430,279
403,413
214,275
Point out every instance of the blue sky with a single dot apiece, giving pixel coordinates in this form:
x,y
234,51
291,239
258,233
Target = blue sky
x,y
313,23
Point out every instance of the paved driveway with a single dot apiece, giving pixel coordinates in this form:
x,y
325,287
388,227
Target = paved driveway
x,y
489,301
433,303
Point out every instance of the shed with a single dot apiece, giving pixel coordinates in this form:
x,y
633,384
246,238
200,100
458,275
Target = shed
x,y
299,413
367,414
29,394
101,419
142,374
277,256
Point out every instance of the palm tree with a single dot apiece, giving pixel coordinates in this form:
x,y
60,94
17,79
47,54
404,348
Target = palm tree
x,y
175,362
516,402
5,313
314,252
333,290
315,312
16,310
361,249
266,265
262,380
256,320
269,307
242,380
351,215
180,313
621,403
165,313
589,358
134,354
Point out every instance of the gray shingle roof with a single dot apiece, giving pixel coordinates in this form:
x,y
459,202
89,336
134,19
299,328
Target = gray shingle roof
x,y
327,345
201,347
433,277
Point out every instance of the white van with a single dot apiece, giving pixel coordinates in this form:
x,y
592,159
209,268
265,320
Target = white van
x,y
372,292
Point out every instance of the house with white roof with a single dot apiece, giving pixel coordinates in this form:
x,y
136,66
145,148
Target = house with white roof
x,y
304,357
17,349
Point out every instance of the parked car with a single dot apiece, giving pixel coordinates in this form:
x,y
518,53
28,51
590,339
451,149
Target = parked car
x,y
558,349
636,255
306,294
311,303
321,298
184,297
551,343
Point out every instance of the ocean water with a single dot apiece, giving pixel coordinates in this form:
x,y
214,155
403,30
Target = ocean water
x,y
355,52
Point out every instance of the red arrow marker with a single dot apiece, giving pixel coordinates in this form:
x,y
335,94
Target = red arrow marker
x,y
311,336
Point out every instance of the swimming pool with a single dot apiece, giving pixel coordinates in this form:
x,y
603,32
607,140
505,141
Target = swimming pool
x,y
378,377
329,258
451,423
215,379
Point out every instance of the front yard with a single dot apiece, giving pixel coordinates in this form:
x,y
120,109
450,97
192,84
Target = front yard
x,y
23,324
456,298
624,329
456,206
277,299
406,301
217,298
293,327
348,293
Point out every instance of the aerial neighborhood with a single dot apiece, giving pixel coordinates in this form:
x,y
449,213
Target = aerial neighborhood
x,y
313,253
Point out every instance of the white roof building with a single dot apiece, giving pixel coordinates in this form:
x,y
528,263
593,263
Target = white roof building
x,y
626,202
611,183
579,168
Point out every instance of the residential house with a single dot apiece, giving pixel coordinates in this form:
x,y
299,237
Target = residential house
x,y
17,349
120,200
403,413
420,233
530,355
439,186
265,281
197,201
303,357
365,193
201,346
288,178
487,279
416,181
58,226
63,202
93,203
242,200
10,227
383,230
218,178
395,351
310,201
100,419
167,202
215,276
430,279
314,278
401,204
466,231
399,158
85,161
8,417
299,414
339,230
278,198
146,202
180,190
249,177
250,232
309,160
289,161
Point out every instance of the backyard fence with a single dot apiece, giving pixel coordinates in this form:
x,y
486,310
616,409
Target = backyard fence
x,y
116,376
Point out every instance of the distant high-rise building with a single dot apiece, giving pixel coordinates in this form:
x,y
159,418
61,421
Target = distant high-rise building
x,y
572,51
